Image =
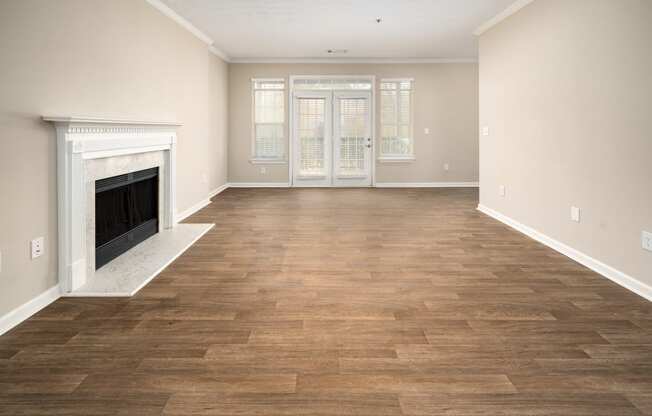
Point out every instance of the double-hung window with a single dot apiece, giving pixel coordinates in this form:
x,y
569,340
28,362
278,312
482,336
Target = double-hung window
x,y
397,140
268,97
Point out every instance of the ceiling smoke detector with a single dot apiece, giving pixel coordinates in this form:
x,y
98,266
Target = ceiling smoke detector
x,y
336,51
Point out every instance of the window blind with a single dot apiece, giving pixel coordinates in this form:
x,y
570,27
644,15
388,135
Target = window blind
x,y
310,129
353,135
396,118
269,119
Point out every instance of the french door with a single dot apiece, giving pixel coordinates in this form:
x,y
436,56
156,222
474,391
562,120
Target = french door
x,y
332,143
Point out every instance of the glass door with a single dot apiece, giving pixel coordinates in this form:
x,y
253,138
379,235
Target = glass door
x,y
312,148
332,142
352,139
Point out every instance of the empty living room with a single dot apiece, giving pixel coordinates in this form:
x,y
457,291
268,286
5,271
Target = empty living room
x,y
342,207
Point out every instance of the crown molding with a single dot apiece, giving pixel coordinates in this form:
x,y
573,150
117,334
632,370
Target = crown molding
x,y
353,60
183,22
219,54
513,8
163,8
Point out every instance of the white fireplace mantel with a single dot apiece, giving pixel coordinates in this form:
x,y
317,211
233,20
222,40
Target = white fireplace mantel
x,y
80,139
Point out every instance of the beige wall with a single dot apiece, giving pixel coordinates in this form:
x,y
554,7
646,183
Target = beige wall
x,y
566,90
117,58
445,100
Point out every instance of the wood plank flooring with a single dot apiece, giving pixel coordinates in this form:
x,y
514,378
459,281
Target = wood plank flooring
x,y
343,302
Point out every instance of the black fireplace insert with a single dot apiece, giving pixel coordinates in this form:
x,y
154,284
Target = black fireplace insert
x,y
126,213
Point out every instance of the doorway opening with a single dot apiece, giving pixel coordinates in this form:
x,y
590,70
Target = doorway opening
x,y
332,131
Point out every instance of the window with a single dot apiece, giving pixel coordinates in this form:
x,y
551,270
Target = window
x,y
338,83
396,119
269,120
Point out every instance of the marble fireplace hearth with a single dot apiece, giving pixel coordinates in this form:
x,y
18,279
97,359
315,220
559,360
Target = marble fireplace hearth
x,y
128,273
89,149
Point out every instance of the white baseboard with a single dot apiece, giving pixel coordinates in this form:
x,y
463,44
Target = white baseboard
x,y
180,216
218,190
427,184
259,185
624,280
378,185
28,309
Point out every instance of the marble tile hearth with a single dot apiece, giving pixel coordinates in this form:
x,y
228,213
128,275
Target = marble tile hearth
x,y
128,273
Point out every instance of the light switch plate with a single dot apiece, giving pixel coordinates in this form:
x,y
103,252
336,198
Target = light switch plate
x,y
446,166
646,240
501,190
485,131
575,214
37,245
426,131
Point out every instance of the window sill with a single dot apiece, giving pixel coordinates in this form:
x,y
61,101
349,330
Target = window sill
x,y
351,176
255,161
309,177
396,159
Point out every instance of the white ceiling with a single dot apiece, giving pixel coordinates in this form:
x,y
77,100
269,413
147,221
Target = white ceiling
x,y
421,29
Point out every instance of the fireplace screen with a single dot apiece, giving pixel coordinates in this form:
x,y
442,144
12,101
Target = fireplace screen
x,y
126,213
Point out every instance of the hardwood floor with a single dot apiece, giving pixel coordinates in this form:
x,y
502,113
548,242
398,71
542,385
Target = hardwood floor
x,y
343,302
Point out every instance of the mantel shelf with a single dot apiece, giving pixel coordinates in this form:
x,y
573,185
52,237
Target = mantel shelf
x,y
107,121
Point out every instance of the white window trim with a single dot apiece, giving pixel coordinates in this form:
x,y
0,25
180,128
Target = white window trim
x,y
282,160
270,161
398,158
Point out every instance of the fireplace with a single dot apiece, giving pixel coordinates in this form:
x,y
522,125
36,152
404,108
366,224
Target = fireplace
x,y
126,212
95,156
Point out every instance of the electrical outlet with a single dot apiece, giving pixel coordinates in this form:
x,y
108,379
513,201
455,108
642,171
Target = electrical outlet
x,y
646,240
426,131
263,170
446,166
485,131
38,247
575,214
501,190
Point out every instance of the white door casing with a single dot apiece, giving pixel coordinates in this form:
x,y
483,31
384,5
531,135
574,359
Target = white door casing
x,y
334,89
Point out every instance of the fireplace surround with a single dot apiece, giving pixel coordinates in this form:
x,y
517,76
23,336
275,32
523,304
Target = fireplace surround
x,y
93,149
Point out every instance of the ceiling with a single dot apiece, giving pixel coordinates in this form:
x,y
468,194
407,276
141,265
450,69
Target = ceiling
x,y
299,29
